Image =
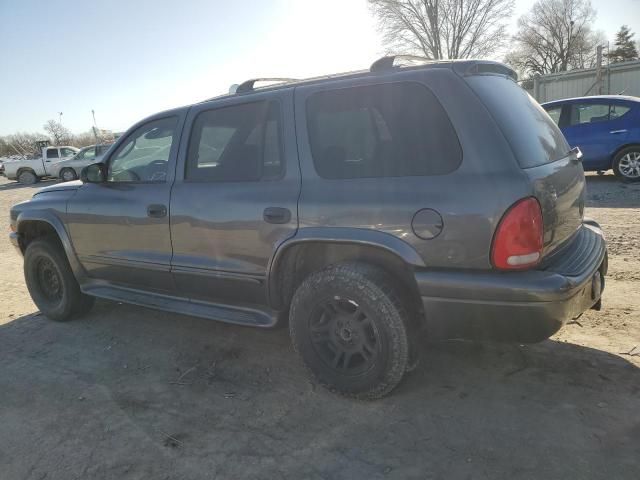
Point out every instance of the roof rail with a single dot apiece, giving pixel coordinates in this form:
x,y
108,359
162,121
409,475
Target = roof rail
x,y
249,85
389,62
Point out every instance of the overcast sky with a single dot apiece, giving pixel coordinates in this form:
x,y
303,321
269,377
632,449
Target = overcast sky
x,y
128,59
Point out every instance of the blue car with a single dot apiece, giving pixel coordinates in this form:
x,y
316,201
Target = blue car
x,y
607,130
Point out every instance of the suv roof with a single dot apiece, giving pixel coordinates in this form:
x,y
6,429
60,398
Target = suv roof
x,y
383,65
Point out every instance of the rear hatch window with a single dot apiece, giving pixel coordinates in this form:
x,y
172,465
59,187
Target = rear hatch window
x,y
556,177
534,138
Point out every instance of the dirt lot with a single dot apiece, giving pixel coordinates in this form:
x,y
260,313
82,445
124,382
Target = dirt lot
x,y
130,393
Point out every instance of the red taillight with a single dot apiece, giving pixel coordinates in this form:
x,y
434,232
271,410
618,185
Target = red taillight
x,y
517,243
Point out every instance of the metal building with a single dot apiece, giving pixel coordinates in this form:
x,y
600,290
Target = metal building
x,y
618,78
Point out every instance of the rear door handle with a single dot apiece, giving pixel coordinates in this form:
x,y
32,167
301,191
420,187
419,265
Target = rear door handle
x,y
624,130
157,211
276,215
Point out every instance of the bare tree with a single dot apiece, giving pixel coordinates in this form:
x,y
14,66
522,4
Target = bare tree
x,y
20,143
555,36
59,133
84,139
442,29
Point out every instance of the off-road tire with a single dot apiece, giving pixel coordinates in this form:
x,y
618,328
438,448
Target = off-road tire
x,y
46,264
634,149
371,290
27,177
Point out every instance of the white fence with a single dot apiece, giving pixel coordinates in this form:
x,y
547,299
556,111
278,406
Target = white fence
x,y
617,79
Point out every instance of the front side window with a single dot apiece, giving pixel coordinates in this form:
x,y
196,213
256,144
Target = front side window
x,y
144,154
589,113
239,143
388,130
90,153
52,153
554,113
67,152
101,149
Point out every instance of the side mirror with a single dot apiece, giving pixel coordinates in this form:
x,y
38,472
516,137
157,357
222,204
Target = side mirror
x,y
94,173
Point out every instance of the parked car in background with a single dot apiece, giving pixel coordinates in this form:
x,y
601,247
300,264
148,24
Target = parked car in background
x,y
31,169
607,130
68,170
362,207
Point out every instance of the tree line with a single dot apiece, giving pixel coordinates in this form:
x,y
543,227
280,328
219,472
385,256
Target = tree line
x,y
25,143
553,36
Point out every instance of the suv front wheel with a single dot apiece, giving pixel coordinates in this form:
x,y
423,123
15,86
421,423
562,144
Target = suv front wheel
x,y
51,282
350,327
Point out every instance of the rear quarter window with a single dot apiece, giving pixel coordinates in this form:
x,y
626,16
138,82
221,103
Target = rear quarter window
x,y
388,130
533,136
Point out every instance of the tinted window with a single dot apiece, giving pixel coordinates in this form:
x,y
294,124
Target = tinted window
x,y
554,113
52,153
388,130
144,154
588,113
534,138
239,143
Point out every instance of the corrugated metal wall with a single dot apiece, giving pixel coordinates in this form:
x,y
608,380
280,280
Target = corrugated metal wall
x,y
619,78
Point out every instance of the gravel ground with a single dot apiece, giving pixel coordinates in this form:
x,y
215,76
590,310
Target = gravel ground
x,y
130,393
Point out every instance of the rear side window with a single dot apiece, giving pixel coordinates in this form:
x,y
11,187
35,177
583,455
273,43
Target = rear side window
x,y
239,143
52,153
389,130
595,112
533,136
617,111
588,113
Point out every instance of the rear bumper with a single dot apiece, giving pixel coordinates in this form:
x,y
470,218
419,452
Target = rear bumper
x,y
517,306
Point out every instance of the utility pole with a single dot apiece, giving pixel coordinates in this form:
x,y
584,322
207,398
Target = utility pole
x,y
60,116
95,126
599,69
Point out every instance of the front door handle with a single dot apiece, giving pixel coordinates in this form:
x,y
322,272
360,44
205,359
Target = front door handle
x,y
624,130
157,211
276,215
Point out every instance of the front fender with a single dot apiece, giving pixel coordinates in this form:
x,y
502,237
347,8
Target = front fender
x,y
50,218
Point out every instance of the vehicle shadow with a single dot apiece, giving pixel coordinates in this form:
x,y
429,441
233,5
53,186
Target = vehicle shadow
x,y
608,191
180,397
12,185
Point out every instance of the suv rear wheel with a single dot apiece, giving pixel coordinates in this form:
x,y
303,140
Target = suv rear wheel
x,y
350,328
626,164
51,282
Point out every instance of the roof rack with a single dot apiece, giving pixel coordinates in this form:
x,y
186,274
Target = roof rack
x,y
389,62
249,85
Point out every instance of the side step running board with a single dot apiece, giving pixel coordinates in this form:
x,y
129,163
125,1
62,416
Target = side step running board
x,y
225,313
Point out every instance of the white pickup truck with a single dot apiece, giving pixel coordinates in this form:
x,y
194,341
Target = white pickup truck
x,y
32,169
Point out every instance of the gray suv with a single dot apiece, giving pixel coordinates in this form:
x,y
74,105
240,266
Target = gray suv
x,y
368,210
